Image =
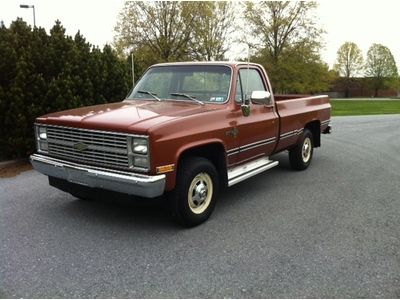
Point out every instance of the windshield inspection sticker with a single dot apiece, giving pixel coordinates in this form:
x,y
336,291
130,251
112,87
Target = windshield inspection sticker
x,y
219,99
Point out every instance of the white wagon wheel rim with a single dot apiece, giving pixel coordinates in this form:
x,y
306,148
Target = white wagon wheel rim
x,y
200,193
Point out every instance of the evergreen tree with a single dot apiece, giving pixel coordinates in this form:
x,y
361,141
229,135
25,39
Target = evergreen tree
x,y
44,73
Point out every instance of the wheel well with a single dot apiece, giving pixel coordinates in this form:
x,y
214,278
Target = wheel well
x,y
315,128
213,152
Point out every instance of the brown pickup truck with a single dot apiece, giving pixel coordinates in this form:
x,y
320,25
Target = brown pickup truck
x,y
187,130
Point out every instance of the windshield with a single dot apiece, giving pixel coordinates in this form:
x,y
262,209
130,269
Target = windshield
x,y
197,83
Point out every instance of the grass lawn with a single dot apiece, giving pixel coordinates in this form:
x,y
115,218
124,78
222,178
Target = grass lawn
x,y
364,107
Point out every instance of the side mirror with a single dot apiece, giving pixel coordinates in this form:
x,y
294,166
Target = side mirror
x,y
245,108
261,97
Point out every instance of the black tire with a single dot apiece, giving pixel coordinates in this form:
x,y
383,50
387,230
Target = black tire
x,y
301,155
198,175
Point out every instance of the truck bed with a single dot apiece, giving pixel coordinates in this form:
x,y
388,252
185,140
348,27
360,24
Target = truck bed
x,y
297,110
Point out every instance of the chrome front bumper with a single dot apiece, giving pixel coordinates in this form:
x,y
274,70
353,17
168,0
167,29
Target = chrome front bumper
x,y
118,181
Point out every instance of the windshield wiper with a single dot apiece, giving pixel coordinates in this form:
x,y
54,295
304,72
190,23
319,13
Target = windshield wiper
x,y
154,95
187,96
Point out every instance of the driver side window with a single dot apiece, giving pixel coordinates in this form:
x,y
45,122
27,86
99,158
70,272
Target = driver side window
x,y
249,80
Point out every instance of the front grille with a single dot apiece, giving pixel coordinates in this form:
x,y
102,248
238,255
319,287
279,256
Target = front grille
x,y
88,146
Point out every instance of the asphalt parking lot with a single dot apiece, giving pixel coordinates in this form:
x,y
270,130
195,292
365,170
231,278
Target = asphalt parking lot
x,y
332,231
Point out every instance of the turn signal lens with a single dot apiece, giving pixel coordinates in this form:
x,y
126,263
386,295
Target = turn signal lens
x,y
165,169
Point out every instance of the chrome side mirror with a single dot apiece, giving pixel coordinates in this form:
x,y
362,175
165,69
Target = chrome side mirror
x,y
261,97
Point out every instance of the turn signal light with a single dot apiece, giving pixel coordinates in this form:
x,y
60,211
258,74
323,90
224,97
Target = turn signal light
x,y
165,169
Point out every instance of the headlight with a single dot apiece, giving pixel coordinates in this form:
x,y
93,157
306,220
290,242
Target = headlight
x,y
139,153
41,139
141,162
42,133
139,146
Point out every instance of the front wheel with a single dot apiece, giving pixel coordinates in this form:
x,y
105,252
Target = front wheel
x,y
194,197
300,156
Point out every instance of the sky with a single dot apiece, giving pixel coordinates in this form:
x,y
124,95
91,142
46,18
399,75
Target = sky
x,y
360,21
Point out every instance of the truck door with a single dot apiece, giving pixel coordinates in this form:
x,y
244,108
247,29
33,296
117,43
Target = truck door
x,y
257,133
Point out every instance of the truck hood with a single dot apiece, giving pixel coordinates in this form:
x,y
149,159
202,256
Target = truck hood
x,y
126,116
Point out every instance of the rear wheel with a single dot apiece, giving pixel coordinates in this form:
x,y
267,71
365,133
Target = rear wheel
x,y
194,197
300,156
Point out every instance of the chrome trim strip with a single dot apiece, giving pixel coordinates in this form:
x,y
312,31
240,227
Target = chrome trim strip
x,y
91,130
250,146
325,122
258,145
118,181
233,150
233,153
258,142
291,133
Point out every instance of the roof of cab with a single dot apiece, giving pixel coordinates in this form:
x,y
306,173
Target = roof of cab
x,y
221,63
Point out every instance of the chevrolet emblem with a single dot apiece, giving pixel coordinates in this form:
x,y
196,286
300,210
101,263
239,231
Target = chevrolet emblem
x,y
80,146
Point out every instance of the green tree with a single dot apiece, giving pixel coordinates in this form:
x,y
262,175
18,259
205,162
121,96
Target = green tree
x,y
163,27
278,25
296,71
381,68
211,35
289,43
116,75
162,31
349,63
17,89
43,73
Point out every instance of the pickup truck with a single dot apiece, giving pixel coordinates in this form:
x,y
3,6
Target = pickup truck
x,y
185,130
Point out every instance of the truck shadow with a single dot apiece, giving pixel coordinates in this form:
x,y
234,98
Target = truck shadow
x,y
121,210
132,212
266,181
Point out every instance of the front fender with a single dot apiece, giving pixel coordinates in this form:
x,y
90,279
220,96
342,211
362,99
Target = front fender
x,y
194,147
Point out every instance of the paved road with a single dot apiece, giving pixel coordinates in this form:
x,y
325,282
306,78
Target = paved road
x,y
331,231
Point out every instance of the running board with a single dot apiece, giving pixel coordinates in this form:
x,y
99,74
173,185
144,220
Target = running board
x,y
247,170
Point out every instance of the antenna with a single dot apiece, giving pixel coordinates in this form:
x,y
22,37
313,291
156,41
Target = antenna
x,y
133,70
248,67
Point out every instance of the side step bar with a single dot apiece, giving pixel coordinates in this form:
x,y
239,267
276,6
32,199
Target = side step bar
x,y
247,170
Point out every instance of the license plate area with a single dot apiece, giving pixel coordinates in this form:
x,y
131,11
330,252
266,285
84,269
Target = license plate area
x,y
77,176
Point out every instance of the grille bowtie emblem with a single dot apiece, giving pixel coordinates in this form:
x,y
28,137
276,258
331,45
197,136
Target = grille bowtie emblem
x,y
80,146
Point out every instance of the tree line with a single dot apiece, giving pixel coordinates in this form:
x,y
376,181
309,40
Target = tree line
x,y
282,36
42,73
379,68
